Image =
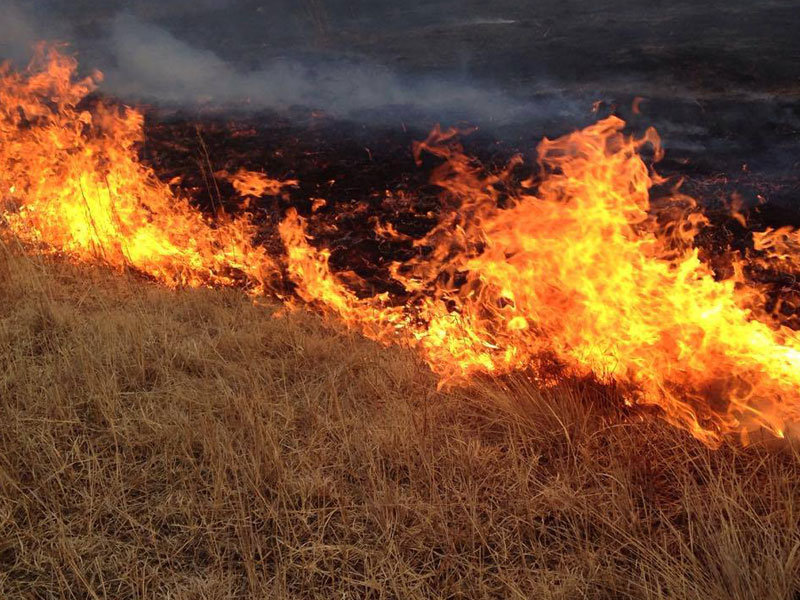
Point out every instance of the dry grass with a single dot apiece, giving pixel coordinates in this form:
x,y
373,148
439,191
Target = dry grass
x,y
187,445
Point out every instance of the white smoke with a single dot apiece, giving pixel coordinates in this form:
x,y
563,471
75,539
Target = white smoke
x,y
153,64
144,61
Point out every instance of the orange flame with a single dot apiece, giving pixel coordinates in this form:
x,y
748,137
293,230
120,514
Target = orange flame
x,y
252,183
71,183
580,270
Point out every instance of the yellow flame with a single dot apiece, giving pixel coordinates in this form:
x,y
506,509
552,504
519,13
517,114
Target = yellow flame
x,y
76,186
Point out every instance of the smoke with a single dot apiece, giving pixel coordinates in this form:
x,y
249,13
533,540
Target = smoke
x,y
145,61
153,64
17,32
150,62
538,65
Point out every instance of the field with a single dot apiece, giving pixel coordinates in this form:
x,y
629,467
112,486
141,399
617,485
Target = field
x,y
191,444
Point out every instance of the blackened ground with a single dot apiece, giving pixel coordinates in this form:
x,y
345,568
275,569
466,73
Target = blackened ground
x,y
743,153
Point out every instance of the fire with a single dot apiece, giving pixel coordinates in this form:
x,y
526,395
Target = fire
x,y
255,184
71,183
578,269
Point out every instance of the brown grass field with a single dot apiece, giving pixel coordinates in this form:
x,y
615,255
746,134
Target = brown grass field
x,y
192,445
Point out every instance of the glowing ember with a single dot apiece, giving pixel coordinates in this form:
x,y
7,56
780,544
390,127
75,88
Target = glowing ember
x,y
579,270
250,183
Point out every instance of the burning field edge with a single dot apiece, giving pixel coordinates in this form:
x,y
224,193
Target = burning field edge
x,y
585,263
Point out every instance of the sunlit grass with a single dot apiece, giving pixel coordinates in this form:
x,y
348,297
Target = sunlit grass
x,y
190,444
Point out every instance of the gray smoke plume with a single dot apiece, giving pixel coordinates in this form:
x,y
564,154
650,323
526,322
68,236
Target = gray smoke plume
x,y
17,32
144,60
153,64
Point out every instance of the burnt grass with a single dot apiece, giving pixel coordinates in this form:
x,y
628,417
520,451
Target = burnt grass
x,y
727,153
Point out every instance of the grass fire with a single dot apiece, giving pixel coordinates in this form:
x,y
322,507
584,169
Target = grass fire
x,y
572,275
555,373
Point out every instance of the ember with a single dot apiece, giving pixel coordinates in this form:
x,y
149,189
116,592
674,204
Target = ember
x,y
574,270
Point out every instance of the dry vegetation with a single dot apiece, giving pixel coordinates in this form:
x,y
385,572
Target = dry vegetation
x,y
158,444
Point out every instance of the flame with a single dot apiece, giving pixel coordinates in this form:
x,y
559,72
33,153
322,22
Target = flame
x,y
71,183
255,184
577,273
780,246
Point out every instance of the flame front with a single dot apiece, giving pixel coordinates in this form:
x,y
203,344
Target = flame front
x,y
581,272
71,182
578,271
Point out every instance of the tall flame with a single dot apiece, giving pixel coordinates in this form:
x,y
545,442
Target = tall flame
x,y
71,181
580,270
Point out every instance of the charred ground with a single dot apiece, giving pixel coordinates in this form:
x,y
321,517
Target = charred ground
x,y
728,154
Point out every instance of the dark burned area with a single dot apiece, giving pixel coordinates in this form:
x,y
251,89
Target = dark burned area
x,y
367,175
719,82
